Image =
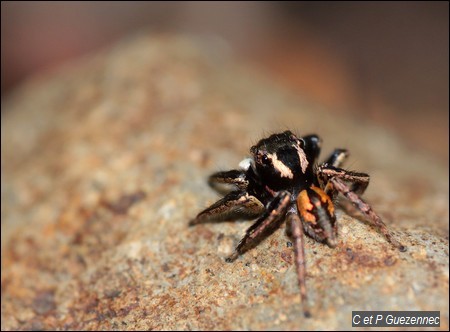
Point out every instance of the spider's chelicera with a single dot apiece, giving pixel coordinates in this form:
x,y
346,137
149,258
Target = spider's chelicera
x,y
282,181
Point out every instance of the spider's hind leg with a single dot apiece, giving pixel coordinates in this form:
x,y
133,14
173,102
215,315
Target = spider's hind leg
x,y
294,225
338,184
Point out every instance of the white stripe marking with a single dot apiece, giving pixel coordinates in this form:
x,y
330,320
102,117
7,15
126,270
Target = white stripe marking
x,y
282,168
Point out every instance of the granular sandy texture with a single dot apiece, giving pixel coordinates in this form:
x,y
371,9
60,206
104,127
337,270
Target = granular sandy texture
x,y
104,162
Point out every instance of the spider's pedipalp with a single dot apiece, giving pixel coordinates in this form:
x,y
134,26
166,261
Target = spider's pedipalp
x,y
275,213
233,206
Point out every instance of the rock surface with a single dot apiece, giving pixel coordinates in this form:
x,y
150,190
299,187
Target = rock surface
x,y
104,162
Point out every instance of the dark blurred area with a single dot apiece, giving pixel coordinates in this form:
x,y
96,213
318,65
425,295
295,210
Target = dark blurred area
x,y
384,62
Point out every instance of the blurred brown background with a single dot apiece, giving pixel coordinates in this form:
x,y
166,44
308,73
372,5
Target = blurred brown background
x,y
382,62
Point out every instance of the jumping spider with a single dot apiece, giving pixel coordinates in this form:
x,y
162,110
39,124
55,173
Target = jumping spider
x,y
283,181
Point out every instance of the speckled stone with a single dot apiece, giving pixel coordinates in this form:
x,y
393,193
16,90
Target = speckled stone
x,y
104,162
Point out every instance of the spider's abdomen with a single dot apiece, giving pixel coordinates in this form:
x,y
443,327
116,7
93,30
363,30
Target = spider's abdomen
x,y
317,214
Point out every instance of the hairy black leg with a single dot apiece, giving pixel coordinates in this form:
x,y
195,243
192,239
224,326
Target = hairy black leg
x,y
337,158
294,225
223,182
365,208
312,148
359,181
233,206
275,212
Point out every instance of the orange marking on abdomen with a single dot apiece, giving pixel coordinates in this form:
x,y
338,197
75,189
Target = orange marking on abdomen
x,y
324,198
305,207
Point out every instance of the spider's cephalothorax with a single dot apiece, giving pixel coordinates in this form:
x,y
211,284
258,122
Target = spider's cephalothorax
x,y
282,181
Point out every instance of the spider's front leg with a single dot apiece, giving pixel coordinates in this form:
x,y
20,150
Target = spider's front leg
x,y
359,181
330,168
222,181
235,205
337,182
274,214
